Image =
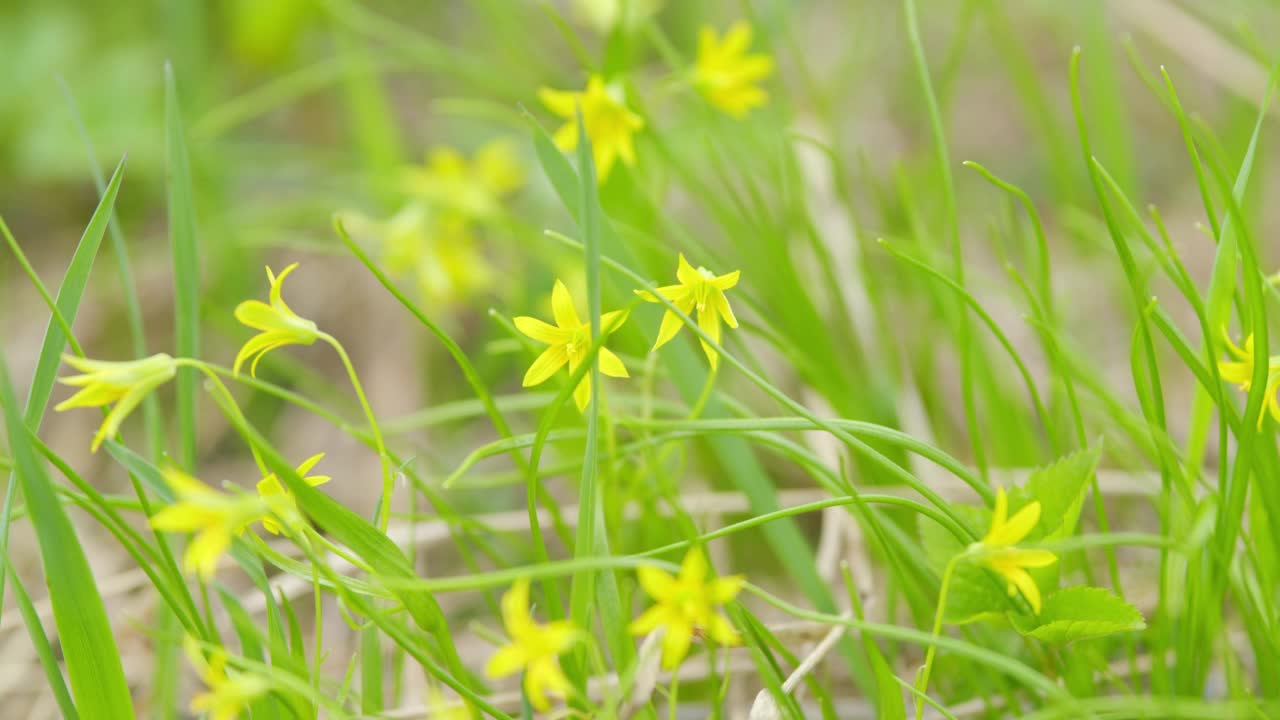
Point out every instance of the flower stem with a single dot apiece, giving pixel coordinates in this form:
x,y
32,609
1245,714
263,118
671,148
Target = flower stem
x,y
923,685
384,508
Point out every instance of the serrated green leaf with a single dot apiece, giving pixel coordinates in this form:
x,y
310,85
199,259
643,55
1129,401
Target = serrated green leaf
x,y
1060,488
1080,613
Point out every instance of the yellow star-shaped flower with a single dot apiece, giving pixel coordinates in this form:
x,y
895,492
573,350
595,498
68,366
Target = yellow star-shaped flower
x,y
610,124
216,517
122,383
726,75
280,500
998,552
473,188
278,325
569,340
228,694
1240,373
686,604
700,290
534,648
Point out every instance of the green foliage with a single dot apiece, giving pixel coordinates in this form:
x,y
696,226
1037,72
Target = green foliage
x,y
1080,613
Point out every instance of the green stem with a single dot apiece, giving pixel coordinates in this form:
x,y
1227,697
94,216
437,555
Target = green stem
x,y
388,482
937,630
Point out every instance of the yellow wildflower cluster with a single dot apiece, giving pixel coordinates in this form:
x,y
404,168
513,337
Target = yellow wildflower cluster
x,y
684,609
569,340
724,73
432,239
229,693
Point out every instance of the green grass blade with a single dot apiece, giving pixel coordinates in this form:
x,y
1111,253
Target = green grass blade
x,y
186,269
93,662
44,651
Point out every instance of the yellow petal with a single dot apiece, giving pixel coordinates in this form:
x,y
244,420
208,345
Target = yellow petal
x,y
610,322
998,515
184,517
258,315
515,608
721,630
1018,526
507,660
722,590
550,361
693,570
709,321
559,635
205,549
686,272
675,644
582,393
649,620
1031,558
611,365
720,305
562,307
656,581
1027,586
727,281
542,331
561,102
671,324
671,292
566,138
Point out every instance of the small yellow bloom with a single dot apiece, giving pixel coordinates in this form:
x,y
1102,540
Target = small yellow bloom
x,y
726,75
280,500
216,517
1240,373
700,290
610,124
686,604
570,339
473,189
277,324
229,693
998,550
122,383
534,648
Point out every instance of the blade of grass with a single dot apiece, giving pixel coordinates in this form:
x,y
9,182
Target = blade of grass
x,y
84,633
186,269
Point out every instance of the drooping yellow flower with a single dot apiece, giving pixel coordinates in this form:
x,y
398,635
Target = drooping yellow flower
x,y
277,324
214,516
122,383
726,75
686,604
1240,373
229,693
569,340
280,500
611,126
999,552
534,648
473,188
700,290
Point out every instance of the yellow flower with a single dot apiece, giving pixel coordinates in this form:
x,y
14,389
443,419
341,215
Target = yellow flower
x,y
534,648
570,339
700,290
229,694
216,517
610,124
998,550
278,498
277,323
686,604
473,189
726,75
1240,373
122,383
